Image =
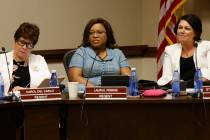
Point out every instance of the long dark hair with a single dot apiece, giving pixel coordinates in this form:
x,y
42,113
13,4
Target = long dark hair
x,y
111,43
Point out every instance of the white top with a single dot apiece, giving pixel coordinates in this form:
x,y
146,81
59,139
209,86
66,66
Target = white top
x,y
172,56
38,69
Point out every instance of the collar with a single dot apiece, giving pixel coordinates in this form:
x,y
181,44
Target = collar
x,y
92,54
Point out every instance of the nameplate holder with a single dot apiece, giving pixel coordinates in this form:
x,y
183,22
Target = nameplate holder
x,y
106,93
45,93
206,91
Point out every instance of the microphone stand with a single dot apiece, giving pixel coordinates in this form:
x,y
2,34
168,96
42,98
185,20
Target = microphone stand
x,y
199,91
84,94
13,97
196,67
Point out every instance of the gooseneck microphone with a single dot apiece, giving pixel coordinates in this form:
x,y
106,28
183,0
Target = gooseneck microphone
x,y
199,91
83,115
91,69
196,64
196,59
12,97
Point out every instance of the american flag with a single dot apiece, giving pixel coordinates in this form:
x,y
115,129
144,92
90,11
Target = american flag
x,y
167,21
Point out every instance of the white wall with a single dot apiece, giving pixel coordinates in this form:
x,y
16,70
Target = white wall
x,y
62,21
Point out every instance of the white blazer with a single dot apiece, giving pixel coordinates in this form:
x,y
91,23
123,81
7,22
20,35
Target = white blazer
x,y
172,56
38,69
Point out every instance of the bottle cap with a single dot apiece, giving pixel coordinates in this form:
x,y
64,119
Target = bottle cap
x,y
133,68
53,71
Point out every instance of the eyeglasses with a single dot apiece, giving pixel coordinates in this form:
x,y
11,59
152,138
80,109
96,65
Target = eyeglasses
x,y
22,43
92,33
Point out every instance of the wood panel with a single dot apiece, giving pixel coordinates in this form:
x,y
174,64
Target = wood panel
x,y
129,51
164,118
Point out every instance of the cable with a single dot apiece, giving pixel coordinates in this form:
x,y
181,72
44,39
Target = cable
x,y
200,92
83,114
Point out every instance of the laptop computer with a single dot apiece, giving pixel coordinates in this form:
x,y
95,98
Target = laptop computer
x,y
114,80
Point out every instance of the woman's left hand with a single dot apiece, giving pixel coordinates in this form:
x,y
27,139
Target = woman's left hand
x,y
17,88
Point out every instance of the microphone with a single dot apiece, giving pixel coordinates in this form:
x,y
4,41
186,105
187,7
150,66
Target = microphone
x,y
199,92
12,97
196,60
91,69
84,115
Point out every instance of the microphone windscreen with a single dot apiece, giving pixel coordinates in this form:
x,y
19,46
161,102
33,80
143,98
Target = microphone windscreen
x,y
196,44
3,49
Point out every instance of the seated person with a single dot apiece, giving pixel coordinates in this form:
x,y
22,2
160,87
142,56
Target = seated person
x,y
97,55
182,55
26,69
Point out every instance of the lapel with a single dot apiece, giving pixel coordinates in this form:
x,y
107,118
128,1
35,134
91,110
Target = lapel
x,y
177,54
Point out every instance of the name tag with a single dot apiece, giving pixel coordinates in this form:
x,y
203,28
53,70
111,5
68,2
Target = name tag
x,y
40,93
106,93
206,91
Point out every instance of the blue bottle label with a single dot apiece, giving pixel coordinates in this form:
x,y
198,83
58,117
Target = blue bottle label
x,y
1,90
175,88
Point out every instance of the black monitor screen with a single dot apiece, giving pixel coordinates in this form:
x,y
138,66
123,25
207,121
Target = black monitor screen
x,y
115,80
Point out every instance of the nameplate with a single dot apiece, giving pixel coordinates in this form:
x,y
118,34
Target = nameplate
x,y
40,93
106,93
206,91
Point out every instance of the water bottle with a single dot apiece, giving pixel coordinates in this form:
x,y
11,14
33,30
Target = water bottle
x,y
1,85
133,83
198,84
54,79
175,84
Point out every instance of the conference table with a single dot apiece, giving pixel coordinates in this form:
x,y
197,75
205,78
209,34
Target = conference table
x,y
42,119
30,120
159,118
9,112
136,118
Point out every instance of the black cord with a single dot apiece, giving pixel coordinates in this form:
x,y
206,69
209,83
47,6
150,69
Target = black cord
x,y
199,93
83,113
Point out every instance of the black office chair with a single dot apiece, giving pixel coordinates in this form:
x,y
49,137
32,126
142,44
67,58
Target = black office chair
x,y
66,60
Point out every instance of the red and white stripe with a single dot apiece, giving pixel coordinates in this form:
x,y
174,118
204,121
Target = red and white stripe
x,y
167,21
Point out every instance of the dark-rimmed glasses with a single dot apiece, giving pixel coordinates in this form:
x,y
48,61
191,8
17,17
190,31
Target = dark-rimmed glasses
x,y
22,43
93,33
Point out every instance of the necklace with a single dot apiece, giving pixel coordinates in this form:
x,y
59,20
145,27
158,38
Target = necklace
x,y
103,58
16,59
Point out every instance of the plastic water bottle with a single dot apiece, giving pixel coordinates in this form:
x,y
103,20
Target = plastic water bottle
x,y
133,83
1,85
176,84
198,84
54,79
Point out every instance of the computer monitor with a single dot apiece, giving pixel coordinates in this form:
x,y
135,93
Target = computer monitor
x,y
114,80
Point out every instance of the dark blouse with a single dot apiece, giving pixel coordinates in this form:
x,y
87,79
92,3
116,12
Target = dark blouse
x,y
20,75
187,68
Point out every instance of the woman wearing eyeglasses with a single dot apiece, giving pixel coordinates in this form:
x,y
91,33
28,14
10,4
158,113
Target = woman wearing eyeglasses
x,y
98,55
25,69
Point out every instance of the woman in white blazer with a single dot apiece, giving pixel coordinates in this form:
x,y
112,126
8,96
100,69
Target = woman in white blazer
x,y
181,56
25,69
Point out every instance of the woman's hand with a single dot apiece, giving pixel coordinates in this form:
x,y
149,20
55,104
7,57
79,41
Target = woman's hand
x,y
17,88
205,80
76,76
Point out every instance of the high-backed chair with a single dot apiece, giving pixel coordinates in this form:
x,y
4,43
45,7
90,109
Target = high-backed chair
x,y
66,60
